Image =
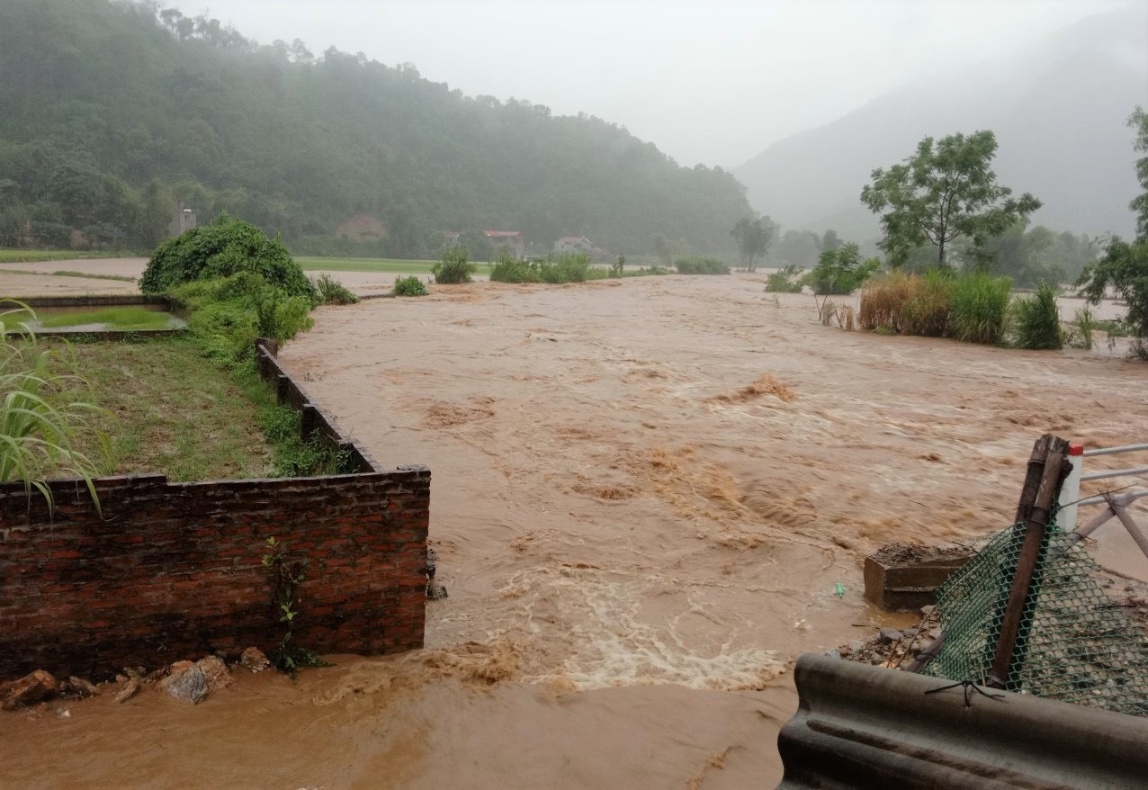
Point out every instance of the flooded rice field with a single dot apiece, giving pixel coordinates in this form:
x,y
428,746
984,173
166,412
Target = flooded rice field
x,y
645,494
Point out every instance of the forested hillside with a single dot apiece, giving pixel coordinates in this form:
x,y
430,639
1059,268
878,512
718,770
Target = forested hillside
x,y
113,111
1058,110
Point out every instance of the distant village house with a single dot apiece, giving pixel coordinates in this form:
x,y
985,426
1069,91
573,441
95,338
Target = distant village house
x,y
574,244
512,240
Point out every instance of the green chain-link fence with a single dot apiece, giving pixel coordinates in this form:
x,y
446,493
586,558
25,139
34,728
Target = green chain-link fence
x,y
1074,645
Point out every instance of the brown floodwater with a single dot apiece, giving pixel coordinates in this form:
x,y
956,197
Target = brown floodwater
x,y
644,496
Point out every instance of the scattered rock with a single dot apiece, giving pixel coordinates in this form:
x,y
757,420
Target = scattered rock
x,y
187,683
28,690
81,687
193,681
888,635
435,591
129,690
254,659
215,673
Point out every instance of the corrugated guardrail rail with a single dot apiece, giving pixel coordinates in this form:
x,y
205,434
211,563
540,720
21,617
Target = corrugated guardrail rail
x,y
864,726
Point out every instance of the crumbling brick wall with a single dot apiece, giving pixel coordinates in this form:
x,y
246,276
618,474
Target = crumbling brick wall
x,y
174,570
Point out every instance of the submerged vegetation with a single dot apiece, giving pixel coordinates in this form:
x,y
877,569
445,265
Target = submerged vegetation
x,y
409,286
938,303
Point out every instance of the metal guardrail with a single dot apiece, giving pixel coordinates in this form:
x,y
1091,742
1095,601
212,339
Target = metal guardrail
x,y
864,726
1070,499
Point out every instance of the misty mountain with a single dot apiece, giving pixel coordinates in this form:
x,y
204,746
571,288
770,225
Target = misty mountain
x,y
112,111
1058,111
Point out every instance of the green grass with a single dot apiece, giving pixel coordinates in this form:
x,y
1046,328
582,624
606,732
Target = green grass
x,y
125,318
37,256
384,265
201,424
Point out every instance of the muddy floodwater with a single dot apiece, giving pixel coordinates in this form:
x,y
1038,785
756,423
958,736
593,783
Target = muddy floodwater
x,y
644,496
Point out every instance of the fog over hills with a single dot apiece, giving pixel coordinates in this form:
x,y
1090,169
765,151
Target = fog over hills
x,y
1058,111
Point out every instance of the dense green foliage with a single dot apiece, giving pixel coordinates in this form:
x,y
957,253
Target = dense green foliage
x,y
224,248
113,112
698,265
409,286
453,268
944,193
840,270
1033,256
229,314
1124,267
1037,321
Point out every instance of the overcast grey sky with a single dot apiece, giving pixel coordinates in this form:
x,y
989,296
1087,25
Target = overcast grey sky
x,y
712,82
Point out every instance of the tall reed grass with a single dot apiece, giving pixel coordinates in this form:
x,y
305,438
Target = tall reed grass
x,y
973,308
1037,321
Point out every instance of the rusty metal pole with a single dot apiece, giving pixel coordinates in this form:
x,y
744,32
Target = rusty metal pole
x,y
1053,468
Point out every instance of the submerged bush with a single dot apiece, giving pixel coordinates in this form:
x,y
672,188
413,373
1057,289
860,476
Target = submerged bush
x,y
509,269
409,286
331,291
1037,321
785,280
222,249
701,266
454,268
980,308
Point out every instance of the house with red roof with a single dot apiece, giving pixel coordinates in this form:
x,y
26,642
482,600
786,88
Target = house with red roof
x,y
512,240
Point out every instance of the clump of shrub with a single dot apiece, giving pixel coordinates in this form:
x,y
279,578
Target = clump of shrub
x,y
331,291
409,286
929,307
938,303
222,249
980,308
569,267
786,280
508,269
454,268
695,265
1037,321
228,314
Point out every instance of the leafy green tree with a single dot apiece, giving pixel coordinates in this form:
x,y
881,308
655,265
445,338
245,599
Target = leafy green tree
x,y
798,248
753,235
1124,266
945,192
841,271
829,241
1138,121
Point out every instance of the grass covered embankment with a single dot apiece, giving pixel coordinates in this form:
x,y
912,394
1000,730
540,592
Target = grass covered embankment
x,y
167,408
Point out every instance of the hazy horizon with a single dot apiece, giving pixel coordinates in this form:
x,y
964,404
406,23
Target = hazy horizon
x,y
712,83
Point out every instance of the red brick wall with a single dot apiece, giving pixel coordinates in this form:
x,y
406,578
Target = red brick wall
x,y
174,570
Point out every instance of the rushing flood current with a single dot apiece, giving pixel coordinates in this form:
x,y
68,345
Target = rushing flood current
x,y
644,496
